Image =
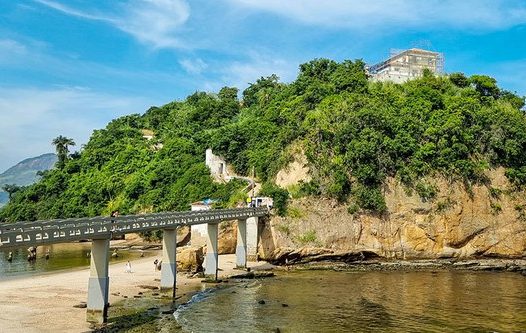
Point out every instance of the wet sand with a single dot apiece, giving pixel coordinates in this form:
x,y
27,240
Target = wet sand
x,y
45,303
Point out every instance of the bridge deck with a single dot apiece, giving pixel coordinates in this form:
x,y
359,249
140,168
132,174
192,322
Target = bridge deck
x,y
75,229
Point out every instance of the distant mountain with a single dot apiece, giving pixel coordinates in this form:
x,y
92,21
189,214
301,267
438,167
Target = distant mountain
x,y
25,172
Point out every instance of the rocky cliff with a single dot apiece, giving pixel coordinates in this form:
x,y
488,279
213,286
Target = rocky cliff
x,y
460,221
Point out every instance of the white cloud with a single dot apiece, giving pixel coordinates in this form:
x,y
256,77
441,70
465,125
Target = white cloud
x,y
240,73
11,50
72,12
152,22
193,66
359,14
155,21
30,118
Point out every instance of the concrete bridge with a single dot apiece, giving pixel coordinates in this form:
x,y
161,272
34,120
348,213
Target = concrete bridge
x,y
101,229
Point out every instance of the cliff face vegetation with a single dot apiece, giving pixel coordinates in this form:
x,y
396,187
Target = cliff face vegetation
x,y
407,166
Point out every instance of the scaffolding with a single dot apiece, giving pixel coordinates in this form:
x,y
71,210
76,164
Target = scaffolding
x,y
403,65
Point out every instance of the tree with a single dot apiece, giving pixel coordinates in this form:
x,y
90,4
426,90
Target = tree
x,y
485,85
61,144
262,89
459,79
11,189
515,100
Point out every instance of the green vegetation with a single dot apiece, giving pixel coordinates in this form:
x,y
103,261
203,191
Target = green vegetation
x,y
295,212
426,191
495,192
62,144
521,212
11,189
308,237
496,208
284,228
280,196
353,208
355,133
444,205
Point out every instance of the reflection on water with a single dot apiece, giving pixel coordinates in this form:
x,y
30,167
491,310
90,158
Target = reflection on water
x,y
61,256
327,301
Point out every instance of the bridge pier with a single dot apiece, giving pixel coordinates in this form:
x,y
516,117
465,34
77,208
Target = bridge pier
x,y
241,247
99,282
169,265
211,259
252,238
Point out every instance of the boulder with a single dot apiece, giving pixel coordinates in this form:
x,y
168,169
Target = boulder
x,y
190,258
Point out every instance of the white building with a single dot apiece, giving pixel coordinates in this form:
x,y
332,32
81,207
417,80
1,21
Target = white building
x,y
406,65
217,166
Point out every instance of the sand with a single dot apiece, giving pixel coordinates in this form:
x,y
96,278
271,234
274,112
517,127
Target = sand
x,y
45,303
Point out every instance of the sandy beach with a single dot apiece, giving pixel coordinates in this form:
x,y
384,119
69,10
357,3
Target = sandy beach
x,y
46,303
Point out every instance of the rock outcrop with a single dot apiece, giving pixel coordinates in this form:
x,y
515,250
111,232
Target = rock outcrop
x,y
190,258
481,221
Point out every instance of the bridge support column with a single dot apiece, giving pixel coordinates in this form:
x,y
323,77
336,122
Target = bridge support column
x,y
99,282
211,259
169,265
241,248
252,238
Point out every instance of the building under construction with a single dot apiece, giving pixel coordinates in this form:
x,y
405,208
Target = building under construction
x,y
406,65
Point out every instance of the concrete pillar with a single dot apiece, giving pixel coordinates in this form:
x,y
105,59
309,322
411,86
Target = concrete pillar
x,y
169,265
99,282
252,238
211,258
241,248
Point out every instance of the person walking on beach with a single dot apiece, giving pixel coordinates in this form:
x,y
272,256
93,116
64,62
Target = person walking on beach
x,y
128,267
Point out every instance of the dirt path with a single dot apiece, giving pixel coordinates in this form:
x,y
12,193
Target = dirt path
x,y
45,303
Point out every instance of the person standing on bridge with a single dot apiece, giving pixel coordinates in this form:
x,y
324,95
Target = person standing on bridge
x,y
113,215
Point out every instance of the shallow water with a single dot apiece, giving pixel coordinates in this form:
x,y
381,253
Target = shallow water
x,y
326,301
61,256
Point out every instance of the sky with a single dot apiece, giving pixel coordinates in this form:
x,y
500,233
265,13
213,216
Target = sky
x,y
68,67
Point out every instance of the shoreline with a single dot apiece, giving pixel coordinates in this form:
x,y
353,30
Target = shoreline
x,y
46,303
482,264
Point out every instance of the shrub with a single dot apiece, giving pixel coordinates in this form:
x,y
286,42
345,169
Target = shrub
x,y
284,228
495,208
353,208
295,212
307,237
495,192
426,191
279,195
370,199
444,205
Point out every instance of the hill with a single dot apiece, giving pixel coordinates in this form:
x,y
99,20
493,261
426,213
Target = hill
x,y
355,135
25,173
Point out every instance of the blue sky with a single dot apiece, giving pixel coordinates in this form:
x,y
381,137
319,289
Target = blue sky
x,y
69,67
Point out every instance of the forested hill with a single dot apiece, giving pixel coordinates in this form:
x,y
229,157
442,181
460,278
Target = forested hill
x,y
355,133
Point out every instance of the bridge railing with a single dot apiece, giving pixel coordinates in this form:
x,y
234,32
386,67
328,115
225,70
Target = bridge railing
x,y
75,229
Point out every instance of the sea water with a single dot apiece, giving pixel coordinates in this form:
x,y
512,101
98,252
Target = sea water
x,y
328,301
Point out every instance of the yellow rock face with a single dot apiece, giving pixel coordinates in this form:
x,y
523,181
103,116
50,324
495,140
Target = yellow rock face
x,y
487,220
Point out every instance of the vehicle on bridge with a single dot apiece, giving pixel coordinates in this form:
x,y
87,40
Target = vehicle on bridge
x,y
261,202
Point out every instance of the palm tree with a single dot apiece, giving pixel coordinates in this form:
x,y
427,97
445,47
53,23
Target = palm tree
x,y
61,144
